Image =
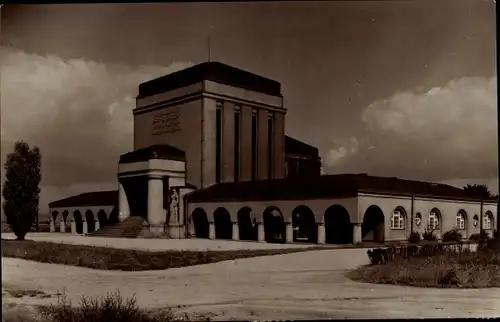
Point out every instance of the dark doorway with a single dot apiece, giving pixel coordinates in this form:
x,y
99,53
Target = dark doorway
x,y
77,216
103,221
89,218
200,221
54,217
304,225
136,189
248,231
223,224
274,225
373,224
338,228
67,224
113,217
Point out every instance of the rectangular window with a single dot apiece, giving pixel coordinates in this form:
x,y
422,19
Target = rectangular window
x,y
254,145
270,145
218,143
237,120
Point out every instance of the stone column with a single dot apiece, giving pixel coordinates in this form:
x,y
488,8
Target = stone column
x,y
356,233
97,225
246,144
321,233
262,116
211,230
228,142
62,226
261,233
289,233
52,225
279,145
191,230
123,207
73,227
236,231
85,227
156,213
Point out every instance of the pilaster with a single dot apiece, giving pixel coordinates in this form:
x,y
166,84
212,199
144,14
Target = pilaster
x,y
236,231
321,233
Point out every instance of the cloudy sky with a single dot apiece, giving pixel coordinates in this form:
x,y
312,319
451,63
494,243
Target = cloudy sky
x,y
392,88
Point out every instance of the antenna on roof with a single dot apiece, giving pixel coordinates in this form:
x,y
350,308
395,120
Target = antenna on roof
x,y
209,48
209,42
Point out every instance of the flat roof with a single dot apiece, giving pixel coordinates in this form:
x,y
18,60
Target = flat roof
x,y
323,187
160,151
294,146
96,198
213,71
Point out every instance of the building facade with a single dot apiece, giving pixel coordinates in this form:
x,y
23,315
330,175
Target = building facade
x,y
211,160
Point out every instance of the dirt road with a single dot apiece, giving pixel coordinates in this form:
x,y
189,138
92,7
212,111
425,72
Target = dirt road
x,y
306,285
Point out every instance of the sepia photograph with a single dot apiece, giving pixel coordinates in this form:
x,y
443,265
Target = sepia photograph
x,y
249,161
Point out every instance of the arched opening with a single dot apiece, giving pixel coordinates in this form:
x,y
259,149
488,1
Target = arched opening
x,y
77,216
274,225
89,218
398,218
338,228
223,224
67,224
246,228
461,220
434,220
373,228
136,189
55,214
200,221
304,225
103,220
113,217
488,221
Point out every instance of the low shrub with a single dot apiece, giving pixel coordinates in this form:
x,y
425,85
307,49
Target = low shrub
x,y
442,265
376,256
110,308
429,235
452,235
481,237
414,237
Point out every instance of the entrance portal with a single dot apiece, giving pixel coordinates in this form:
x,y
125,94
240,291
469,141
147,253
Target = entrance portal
x,y
373,228
223,224
89,218
77,216
304,225
274,225
136,189
338,227
200,222
246,228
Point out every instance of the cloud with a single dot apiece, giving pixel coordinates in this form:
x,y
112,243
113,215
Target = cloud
x,y
78,112
445,133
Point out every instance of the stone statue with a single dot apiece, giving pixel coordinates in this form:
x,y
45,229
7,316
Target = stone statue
x,y
174,206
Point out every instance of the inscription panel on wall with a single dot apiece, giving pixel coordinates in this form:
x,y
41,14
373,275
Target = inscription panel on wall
x,y
167,121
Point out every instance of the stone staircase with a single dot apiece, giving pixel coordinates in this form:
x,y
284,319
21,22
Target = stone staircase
x,y
129,228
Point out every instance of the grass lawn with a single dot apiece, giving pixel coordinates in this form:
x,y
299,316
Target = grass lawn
x,y
443,269
124,259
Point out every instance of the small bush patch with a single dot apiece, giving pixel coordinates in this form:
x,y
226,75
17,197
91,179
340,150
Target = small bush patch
x,y
434,265
414,237
110,308
452,235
